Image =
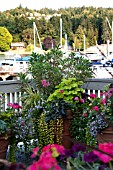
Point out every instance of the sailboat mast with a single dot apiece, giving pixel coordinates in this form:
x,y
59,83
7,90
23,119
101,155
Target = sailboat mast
x,y
34,36
84,43
36,31
112,36
61,32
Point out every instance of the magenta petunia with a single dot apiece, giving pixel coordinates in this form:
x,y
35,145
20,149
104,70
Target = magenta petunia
x,y
61,91
35,151
93,96
82,100
107,148
103,157
95,108
103,101
10,104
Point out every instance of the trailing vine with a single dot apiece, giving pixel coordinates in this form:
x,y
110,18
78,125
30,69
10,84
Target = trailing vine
x,y
51,130
89,139
45,134
12,150
58,130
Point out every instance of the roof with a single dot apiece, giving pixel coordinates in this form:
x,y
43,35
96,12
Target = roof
x,y
17,44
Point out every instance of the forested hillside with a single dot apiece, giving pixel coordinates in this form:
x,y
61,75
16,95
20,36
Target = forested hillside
x,y
88,21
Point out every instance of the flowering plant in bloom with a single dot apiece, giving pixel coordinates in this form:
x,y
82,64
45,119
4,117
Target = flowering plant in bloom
x,y
7,116
79,157
107,155
47,160
100,111
45,83
22,127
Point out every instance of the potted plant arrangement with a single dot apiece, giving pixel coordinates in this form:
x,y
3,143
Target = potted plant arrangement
x,y
15,127
100,116
46,76
62,103
6,131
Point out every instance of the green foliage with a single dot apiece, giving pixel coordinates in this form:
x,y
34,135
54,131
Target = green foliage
x,y
29,48
79,122
67,90
16,38
12,150
82,68
46,135
5,39
30,97
43,132
85,20
46,67
78,127
28,36
5,116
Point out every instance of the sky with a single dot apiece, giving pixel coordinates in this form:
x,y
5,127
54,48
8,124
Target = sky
x,y
54,4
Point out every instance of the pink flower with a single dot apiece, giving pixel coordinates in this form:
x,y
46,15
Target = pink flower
x,y
103,101
60,149
46,148
61,91
34,166
44,83
35,150
103,157
57,167
85,114
76,98
46,160
82,100
107,148
14,106
93,96
10,104
95,108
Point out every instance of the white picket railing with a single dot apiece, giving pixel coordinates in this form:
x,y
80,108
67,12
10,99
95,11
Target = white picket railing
x,y
12,94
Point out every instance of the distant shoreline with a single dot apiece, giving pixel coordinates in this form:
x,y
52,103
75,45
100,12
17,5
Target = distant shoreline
x,y
19,51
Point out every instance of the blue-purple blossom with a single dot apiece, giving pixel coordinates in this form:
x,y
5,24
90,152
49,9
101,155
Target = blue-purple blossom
x,y
102,167
78,147
96,125
90,157
68,153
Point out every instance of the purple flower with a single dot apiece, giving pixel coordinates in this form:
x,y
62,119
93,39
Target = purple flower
x,y
68,153
90,157
22,123
102,167
78,147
